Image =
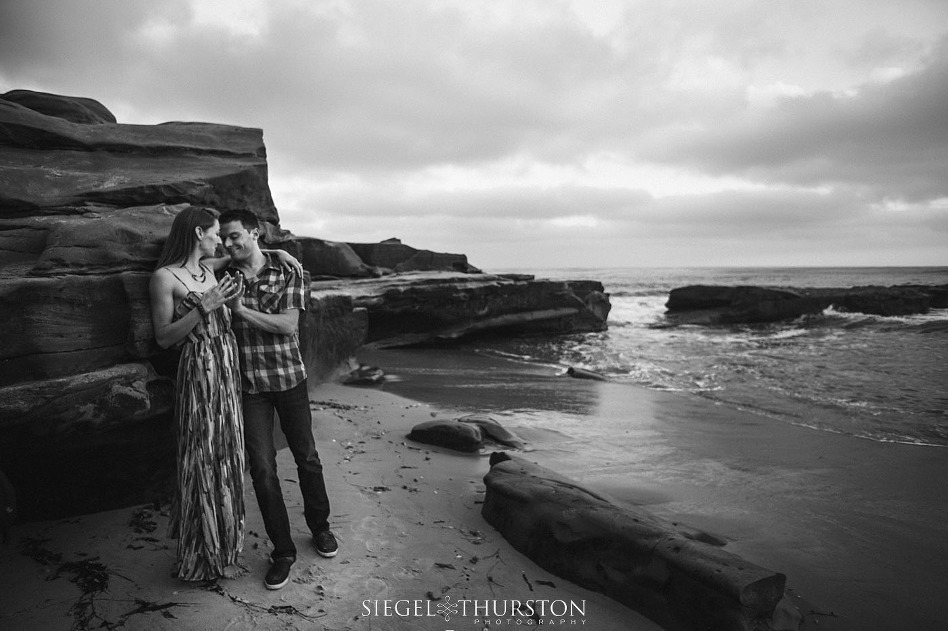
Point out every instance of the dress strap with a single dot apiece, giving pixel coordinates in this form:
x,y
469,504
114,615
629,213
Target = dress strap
x,y
180,281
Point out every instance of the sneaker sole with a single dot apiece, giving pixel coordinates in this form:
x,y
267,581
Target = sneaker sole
x,y
279,585
327,555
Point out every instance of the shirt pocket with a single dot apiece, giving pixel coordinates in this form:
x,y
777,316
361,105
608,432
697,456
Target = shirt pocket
x,y
270,297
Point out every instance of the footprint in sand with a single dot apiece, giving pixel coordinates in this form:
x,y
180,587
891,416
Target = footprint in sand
x,y
379,535
352,587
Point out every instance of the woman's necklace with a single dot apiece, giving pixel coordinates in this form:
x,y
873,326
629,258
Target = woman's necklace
x,y
198,278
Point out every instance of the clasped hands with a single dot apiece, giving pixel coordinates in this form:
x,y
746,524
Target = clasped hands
x,y
227,292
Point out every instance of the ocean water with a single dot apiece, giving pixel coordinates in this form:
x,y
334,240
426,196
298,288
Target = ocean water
x,y
878,378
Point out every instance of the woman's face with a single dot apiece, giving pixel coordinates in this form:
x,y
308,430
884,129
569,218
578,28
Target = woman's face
x,y
210,239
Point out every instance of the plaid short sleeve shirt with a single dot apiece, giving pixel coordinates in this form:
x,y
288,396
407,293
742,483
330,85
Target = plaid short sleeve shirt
x,y
270,362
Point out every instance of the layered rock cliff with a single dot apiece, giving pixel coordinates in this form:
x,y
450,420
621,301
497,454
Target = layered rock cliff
x,y
424,307
85,206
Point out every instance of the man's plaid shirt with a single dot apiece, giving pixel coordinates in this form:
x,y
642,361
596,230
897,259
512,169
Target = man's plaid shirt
x,y
270,362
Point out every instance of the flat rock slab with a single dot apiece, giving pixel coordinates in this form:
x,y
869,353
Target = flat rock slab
x,y
632,556
425,307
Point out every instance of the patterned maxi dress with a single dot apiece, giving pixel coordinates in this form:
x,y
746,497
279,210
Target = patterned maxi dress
x,y
207,515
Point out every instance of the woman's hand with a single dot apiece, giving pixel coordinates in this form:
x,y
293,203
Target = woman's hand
x,y
220,294
233,303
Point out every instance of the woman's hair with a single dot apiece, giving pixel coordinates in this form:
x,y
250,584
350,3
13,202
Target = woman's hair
x,y
181,238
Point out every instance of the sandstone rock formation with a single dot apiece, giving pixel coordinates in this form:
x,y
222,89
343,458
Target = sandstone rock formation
x,y
711,304
393,255
75,109
424,307
632,556
50,165
85,206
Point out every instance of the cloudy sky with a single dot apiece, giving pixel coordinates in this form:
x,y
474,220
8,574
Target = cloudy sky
x,y
536,133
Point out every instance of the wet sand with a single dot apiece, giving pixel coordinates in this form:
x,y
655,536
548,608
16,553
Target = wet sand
x,y
857,526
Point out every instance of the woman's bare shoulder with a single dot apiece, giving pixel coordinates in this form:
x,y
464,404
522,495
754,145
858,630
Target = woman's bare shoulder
x,y
163,277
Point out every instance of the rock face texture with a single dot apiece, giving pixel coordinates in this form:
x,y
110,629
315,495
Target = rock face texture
x,y
710,304
52,165
635,558
395,256
85,206
425,307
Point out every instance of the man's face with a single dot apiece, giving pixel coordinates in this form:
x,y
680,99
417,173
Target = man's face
x,y
239,242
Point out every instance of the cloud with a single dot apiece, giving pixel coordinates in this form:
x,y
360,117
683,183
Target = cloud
x,y
549,128
889,139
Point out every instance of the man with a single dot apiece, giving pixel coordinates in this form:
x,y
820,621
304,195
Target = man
x,y
273,377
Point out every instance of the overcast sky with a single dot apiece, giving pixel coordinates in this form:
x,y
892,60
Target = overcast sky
x,y
536,133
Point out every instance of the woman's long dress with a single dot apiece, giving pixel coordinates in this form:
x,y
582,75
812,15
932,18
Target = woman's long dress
x,y
207,515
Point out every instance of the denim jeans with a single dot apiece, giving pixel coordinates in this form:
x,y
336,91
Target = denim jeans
x,y
292,406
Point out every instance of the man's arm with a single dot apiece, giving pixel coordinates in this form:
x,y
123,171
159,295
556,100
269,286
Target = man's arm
x,y
283,323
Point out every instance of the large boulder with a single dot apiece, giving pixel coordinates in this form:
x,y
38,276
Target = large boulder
x,y
450,434
710,304
883,301
634,557
469,433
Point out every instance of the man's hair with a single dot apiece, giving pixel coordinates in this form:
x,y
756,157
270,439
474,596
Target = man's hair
x,y
244,216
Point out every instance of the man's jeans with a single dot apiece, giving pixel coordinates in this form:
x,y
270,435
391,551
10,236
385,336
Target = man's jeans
x,y
293,407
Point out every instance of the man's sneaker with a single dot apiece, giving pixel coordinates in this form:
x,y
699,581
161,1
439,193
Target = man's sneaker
x,y
279,573
326,544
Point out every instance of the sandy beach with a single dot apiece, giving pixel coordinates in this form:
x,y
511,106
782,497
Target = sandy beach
x,y
857,526
407,518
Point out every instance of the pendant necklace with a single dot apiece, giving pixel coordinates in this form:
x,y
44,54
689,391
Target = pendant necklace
x,y
198,278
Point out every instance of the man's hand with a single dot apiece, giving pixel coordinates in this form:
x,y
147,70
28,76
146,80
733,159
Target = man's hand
x,y
289,262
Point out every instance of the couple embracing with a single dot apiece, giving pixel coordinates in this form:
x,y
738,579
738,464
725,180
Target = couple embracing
x,y
235,319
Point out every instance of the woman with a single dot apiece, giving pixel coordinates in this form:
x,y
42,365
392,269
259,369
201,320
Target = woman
x,y
189,308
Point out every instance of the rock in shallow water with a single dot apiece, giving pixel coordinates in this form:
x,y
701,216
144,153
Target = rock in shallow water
x,y
712,304
582,373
